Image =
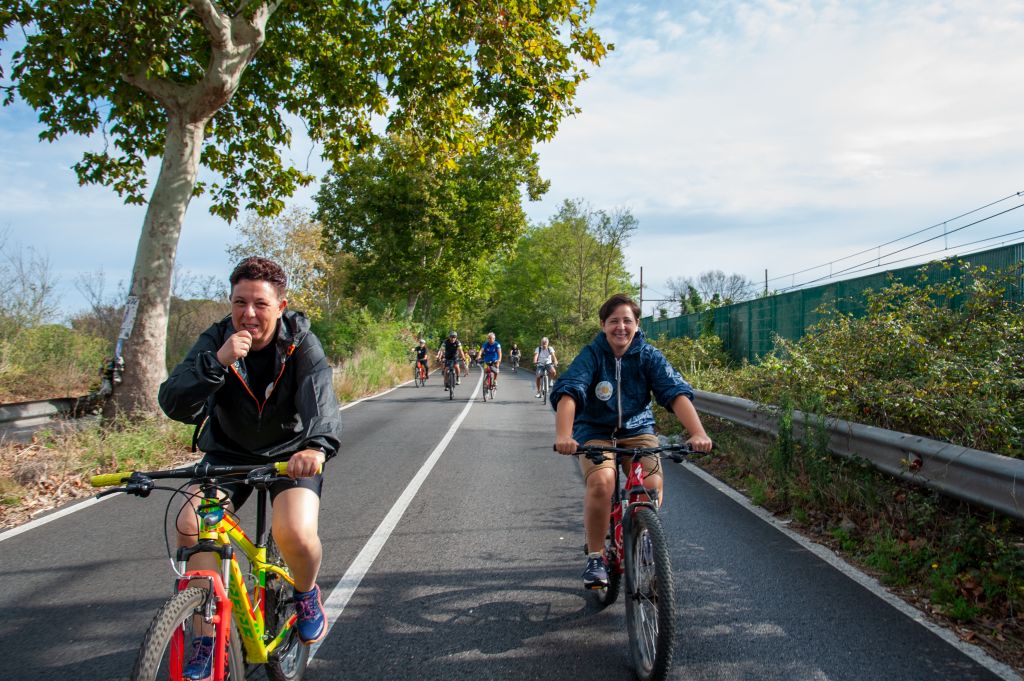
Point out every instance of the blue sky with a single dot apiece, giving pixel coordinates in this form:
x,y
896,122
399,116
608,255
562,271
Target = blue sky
x,y
744,136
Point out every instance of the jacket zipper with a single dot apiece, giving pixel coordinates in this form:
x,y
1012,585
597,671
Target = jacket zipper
x,y
618,392
259,405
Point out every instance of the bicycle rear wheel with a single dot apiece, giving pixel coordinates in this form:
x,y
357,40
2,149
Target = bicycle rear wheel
x,y
168,643
288,662
650,596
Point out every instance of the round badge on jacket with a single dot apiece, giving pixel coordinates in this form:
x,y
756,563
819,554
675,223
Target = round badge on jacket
x,y
604,390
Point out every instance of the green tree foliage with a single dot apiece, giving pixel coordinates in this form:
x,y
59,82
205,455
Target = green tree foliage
x,y
419,226
558,277
164,79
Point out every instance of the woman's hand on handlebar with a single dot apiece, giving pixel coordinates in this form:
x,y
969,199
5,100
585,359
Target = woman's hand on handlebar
x,y
700,443
305,463
566,445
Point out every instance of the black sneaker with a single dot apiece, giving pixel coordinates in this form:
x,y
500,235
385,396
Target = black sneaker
x,y
595,576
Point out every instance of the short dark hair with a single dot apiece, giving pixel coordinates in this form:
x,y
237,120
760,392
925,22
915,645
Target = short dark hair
x,y
256,268
616,301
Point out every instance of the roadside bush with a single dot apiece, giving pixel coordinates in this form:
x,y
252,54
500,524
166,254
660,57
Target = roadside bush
x,y
371,353
915,363
49,361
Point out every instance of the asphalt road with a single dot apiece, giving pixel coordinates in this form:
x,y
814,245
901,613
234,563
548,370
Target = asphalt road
x,y
478,578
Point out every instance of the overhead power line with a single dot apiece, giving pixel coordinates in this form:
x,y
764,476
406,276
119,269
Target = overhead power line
x,y
877,256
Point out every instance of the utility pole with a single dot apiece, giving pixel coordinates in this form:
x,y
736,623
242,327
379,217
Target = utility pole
x,y
641,291
766,282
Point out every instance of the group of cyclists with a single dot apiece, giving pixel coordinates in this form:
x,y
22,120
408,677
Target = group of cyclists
x,y
263,365
489,354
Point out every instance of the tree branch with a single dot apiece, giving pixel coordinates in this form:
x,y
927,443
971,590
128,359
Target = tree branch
x,y
217,25
167,93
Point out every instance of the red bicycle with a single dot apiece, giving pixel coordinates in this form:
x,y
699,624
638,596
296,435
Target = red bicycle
x,y
490,380
636,547
419,373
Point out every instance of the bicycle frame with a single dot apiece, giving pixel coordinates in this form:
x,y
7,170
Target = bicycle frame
x,y
222,538
622,508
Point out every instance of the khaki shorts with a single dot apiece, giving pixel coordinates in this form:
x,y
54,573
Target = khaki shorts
x,y
651,464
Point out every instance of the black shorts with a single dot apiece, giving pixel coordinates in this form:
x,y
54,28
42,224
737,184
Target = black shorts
x,y
238,493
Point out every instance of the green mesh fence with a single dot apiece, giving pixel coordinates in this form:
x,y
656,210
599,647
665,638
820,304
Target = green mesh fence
x,y
748,329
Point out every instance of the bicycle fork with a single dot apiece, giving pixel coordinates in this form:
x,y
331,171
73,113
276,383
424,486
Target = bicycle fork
x,y
217,607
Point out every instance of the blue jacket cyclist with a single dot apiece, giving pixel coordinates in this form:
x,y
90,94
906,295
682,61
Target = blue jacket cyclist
x,y
490,353
604,398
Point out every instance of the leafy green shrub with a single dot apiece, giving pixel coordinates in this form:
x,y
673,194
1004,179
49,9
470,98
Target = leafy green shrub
x,y
49,361
916,362
372,353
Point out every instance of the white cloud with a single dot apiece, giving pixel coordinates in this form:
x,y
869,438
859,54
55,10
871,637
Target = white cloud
x,y
756,112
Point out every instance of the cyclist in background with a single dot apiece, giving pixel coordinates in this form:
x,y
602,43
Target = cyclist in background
x,y
451,351
604,398
515,354
421,357
490,353
544,359
258,384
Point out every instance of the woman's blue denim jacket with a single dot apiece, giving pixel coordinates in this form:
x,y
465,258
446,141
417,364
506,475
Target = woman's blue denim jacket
x,y
613,397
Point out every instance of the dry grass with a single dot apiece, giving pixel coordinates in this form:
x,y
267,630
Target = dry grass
x,y
54,468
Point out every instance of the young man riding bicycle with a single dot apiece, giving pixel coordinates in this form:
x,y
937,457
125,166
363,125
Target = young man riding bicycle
x,y
259,384
604,399
452,352
490,355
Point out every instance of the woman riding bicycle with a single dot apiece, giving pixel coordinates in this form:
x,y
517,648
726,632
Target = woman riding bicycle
x,y
604,399
422,362
259,383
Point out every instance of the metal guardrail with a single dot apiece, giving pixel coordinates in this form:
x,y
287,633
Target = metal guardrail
x,y
19,420
990,480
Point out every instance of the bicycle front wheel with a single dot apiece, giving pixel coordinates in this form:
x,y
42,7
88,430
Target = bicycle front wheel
x,y
288,662
168,643
650,596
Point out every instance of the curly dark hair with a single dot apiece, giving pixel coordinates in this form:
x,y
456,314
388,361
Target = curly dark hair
x,y
256,268
615,301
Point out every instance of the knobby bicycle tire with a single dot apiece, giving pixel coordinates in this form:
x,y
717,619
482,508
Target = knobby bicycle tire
x,y
178,614
650,596
288,663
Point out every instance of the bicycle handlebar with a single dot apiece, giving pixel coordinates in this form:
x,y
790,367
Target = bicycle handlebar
x,y
141,482
596,454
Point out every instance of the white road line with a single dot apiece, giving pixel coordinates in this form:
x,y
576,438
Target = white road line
x,y
14,532
870,583
339,597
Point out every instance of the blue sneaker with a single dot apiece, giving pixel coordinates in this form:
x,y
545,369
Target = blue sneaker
x,y
595,576
311,624
200,665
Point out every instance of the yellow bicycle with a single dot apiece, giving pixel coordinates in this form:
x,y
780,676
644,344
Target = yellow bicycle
x,y
253,620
